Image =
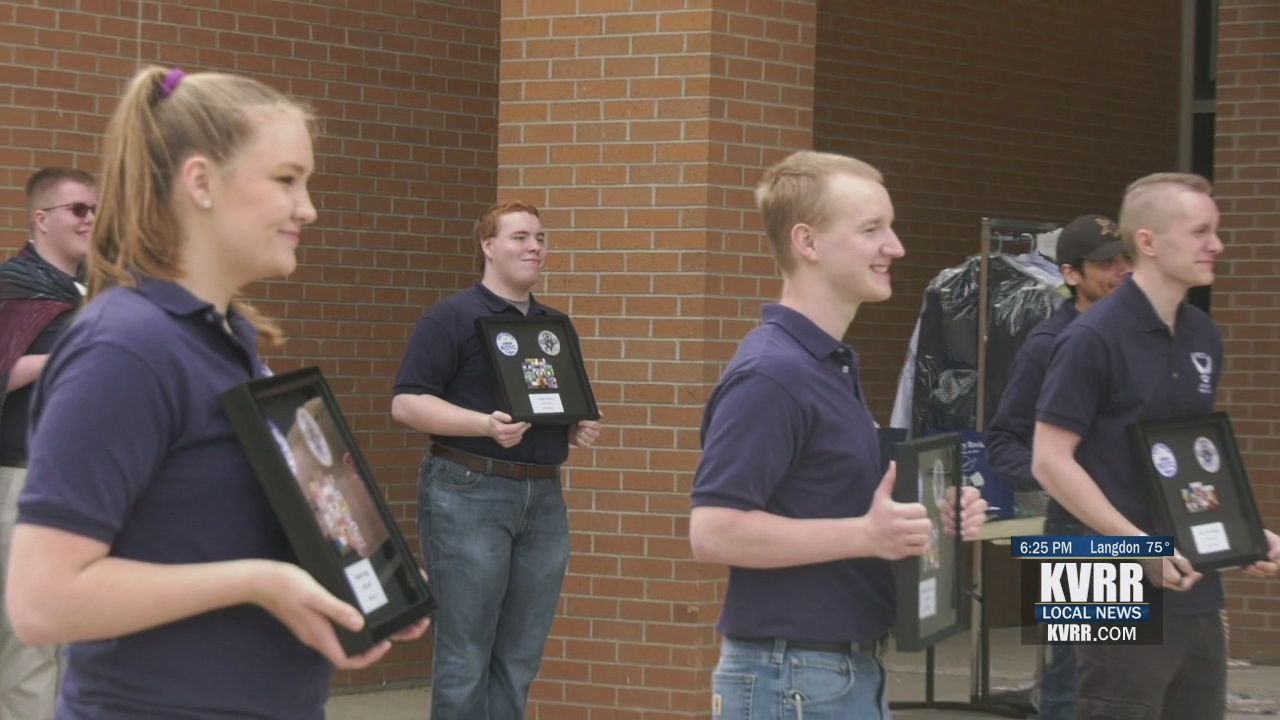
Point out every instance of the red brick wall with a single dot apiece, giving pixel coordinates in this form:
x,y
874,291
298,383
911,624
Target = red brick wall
x,y
641,127
1006,109
1246,301
408,96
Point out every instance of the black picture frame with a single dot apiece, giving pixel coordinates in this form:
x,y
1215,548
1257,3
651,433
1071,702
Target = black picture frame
x,y
537,368
1202,494
339,526
929,587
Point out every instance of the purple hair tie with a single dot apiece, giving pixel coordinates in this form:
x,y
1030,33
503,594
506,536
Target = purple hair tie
x,y
170,83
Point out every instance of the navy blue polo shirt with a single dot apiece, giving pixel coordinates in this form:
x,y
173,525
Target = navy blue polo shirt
x,y
1116,365
787,431
444,358
130,447
1014,425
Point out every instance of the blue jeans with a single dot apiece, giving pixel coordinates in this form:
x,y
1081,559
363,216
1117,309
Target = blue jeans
x,y
1058,685
763,680
496,551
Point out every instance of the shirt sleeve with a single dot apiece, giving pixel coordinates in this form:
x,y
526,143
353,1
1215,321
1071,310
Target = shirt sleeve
x,y
753,431
1013,427
101,424
430,360
1075,382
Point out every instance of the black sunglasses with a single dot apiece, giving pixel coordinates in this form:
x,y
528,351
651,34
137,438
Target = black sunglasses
x,y
78,209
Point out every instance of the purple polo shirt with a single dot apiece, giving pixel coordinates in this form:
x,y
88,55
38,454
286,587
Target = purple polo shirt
x,y
787,431
1116,365
444,358
129,446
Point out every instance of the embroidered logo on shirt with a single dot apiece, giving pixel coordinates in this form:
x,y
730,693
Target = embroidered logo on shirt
x,y
1204,366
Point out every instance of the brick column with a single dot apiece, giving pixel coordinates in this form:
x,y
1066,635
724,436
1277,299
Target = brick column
x,y
641,129
1246,301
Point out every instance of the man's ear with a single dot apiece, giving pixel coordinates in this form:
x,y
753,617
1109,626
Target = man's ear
x,y
804,242
38,221
1145,243
1070,275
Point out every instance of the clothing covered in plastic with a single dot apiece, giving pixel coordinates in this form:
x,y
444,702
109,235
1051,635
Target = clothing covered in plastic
x,y
937,389
1022,292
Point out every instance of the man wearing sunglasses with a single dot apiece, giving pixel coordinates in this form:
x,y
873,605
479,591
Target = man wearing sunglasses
x,y
39,288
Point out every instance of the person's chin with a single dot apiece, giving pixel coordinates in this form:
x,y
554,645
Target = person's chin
x,y
880,289
286,265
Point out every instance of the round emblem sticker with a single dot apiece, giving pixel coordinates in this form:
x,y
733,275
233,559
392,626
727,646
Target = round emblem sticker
x,y
1162,457
316,443
549,343
507,344
1207,454
283,444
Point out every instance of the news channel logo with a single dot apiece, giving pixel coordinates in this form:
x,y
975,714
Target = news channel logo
x,y
1090,591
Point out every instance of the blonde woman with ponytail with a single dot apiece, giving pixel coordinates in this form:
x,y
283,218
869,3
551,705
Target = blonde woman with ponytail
x,y
144,541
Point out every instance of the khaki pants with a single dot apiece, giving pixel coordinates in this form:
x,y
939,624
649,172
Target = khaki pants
x,y
29,675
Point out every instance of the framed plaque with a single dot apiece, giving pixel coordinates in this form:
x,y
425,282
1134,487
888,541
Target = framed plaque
x,y
537,365
323,492
929,587
1202,494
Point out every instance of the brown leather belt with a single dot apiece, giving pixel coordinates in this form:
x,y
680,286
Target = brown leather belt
x,y
501,468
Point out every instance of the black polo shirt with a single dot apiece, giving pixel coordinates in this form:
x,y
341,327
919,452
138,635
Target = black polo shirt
x,y
1116,365
787,431
1014,425
444,358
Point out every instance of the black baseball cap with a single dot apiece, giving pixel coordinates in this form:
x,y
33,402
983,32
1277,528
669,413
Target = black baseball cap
x,y
1088,237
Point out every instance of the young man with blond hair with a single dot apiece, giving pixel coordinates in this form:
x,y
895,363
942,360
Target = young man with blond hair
x,y
788,491
1141,354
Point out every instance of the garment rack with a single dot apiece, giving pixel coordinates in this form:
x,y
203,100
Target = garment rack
x,y
994,234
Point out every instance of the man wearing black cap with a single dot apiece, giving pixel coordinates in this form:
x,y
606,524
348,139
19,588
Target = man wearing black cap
x,y
1093,262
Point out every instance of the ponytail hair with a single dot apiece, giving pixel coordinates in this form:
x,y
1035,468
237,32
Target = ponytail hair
x,y
164,118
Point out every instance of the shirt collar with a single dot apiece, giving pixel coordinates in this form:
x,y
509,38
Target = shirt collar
x,y
179,302
499,304
171,297
811,337
1139,307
